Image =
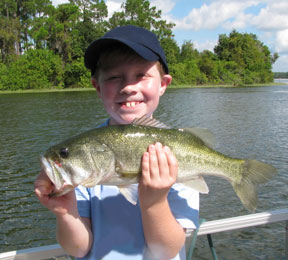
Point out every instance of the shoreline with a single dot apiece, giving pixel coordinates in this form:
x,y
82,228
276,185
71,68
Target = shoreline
x,y
229,85
170,87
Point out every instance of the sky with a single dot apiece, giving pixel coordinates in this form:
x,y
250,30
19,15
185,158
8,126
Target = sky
x,y
202,21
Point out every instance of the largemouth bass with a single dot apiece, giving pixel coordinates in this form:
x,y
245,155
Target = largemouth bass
x,y
112,156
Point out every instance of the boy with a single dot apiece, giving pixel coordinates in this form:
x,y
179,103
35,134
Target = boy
x,y
130,73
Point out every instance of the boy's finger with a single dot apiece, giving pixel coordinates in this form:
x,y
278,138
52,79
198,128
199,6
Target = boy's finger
x,y
43,185
172,162
162,161
145,168
153,162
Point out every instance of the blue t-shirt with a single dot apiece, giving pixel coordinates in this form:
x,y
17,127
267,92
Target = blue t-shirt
x,y
117,224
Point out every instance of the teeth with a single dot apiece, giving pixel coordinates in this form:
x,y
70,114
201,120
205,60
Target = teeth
x,y
130,104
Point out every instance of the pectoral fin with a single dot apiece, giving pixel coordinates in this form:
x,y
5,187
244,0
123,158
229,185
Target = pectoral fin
x,y
130,192
125,170
198,184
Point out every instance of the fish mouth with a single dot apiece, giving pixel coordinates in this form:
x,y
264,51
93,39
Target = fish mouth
x,y
55,173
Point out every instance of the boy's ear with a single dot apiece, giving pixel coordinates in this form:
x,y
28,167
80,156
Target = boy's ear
x,y
96,86
165,82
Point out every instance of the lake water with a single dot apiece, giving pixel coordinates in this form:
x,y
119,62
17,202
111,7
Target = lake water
x,y
247,122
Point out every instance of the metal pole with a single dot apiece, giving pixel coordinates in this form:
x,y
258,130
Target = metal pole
x,y
286,241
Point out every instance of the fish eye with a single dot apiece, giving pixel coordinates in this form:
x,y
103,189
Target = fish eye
x,y
64,152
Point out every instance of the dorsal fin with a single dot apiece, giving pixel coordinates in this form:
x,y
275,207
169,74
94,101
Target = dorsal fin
x,y
204,134
148,121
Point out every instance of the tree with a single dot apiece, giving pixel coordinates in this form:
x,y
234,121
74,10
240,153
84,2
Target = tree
x,y
30,28
18,17
91,24
208,65
140,13
171,50
55,30
27,11
187,73
33,70
188,52
9,29
253,58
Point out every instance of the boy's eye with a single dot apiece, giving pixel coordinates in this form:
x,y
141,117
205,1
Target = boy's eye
x,y
141,75
111,78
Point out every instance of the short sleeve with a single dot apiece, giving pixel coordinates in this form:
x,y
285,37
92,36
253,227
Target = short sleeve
x,y
184,204
83,201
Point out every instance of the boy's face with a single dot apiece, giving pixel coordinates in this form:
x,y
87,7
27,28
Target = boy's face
x,y
130,89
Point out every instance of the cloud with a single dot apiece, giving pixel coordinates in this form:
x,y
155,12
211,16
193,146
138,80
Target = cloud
x,y
239,22
273,17
235,15
207,45
281,64
273,21
58,2
268,19
165,6
216,14
113,6
281,44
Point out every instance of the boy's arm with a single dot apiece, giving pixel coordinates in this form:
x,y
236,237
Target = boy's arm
x,y
164,235
73,232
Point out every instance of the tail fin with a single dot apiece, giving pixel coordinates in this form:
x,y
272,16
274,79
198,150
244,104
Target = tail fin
x,y
255,172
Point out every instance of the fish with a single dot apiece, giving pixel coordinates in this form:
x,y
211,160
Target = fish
x,y
111,155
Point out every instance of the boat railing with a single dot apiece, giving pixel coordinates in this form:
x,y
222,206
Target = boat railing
x,y
207,228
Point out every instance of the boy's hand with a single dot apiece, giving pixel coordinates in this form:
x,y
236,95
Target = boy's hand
x,y
58,205
159,173
73,232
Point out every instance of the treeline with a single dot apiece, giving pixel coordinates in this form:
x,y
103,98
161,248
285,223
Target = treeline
x,y
281,75
42,46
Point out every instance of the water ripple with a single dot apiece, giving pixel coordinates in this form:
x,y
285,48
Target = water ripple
x,y
247,122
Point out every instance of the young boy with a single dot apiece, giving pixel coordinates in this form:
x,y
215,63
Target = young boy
x,y
130,74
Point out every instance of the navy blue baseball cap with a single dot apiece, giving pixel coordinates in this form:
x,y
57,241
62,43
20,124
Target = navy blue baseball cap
x,y
142,41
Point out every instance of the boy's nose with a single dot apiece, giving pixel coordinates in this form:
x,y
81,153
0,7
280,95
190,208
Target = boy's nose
x,y
129,89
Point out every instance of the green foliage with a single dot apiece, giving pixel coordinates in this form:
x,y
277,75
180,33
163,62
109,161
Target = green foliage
x,y
281,75
34,70
91,24
9,28
187,73
188,52
229,73
208,65
42,46
141,13
77,75
171,50
252,58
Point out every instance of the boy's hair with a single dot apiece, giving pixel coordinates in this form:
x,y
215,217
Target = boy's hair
x,y
107,59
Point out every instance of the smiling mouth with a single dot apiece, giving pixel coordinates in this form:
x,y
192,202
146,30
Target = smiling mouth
x,y
130,104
